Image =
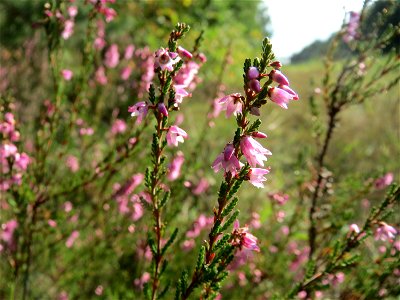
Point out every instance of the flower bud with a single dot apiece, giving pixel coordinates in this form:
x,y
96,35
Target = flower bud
x,y
253,73
162,109
276,64
254,85
278,77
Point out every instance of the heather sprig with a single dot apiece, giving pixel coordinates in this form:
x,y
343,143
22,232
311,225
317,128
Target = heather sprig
x,y
212,264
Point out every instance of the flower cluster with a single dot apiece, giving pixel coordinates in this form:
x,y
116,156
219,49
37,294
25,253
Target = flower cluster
x,y
351,27
12,162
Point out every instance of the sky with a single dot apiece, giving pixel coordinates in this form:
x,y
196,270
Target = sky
x,y
297,23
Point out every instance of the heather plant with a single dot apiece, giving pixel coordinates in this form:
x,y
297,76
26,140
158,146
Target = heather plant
x,y
131,173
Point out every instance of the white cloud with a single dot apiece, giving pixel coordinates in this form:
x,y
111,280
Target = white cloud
x,y
297,23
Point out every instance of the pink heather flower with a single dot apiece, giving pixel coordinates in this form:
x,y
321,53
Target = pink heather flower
x,y
100,76
162,109
254,85
8,231
255,220
130,185
125,73
52,223
72,11
176,135
67,206
354,228
139,282
280,97
129,50
180,93
187,75
228,161
108,13
22,161
99,290
278,77
254,152
385,232
112,56
232,104
71,239
139,110
119,126
383,181
86,131
166,60
302,295
253,73
256,176
68,29
352,26
242,238
174,169
184,53
259,134
7,150
72,163
201,187
280,198
67,74
289,90
188,245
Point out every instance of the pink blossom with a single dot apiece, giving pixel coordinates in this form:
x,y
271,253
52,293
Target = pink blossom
x,y
232,104
278,77
162,109
184,53
384,181
68,29
188,245
72,11
126,72
242,238
8,231
385,232
22,161
131,184
280,97
254,85
180,93
290,91
166,60
67,74
174,169
176,135
256,176
52,223
227,160
72,163
71,239
67,206
101,76
187,74
254,152
108,13
139,282
253,73
112,56
302,295
129,52
255,220
352,26
201,187
99,290
354,228
119,126
139,110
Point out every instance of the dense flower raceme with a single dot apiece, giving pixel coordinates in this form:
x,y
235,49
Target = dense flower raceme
x,y
12,162
351,27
